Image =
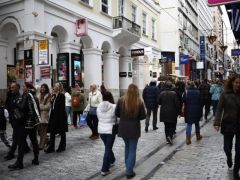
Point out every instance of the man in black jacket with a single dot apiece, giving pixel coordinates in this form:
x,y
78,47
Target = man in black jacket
x,y
205,97
150,97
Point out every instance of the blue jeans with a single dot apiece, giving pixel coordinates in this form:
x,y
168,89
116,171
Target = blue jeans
x,y
189,128
130,154
69,112
108,158
214,105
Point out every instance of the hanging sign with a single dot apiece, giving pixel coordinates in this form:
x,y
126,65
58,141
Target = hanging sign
x,y
43,52
81,27
184,59
221,2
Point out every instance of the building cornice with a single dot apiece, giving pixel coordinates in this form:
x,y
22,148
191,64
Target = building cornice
x,y
9,2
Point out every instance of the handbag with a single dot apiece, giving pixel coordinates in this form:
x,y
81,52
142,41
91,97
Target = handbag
x,y
82,120
115,128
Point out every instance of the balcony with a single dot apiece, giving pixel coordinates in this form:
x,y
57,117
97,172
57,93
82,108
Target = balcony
x,y
125,30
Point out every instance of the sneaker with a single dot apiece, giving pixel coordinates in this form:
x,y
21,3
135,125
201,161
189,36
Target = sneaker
x,y
131,175
15,166
155,128
169,140
104,173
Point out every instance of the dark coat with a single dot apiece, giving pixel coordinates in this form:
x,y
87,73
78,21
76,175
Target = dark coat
x,y
205,95
3,120
192,105
58,117
150,96
228,113
170,106
129,127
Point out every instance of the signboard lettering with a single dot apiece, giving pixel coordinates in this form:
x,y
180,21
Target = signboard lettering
x,y
43,52
137,52
184,59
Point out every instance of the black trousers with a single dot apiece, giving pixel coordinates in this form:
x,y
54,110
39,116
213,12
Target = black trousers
x,y
22,136
62,144
228,143
206,104
76,115
92,122
169,129
154,123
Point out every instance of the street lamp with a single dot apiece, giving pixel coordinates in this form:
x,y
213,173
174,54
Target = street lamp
x,y
212,38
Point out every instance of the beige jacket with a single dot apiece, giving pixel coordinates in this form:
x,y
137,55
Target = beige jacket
x,y
45,106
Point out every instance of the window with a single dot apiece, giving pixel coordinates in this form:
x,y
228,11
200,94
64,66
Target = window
x,y
144,29
121,7
134,10
85,1
105,6
153,29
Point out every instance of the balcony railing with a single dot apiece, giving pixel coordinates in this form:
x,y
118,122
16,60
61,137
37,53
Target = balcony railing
x,y
124,23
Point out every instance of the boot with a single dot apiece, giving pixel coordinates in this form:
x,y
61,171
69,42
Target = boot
x,y
236,173
16,166
199,136
188,139
35,161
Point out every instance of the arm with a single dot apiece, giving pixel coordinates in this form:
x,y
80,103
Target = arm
x,y
142,111
6,114
117,110
220,108
45,107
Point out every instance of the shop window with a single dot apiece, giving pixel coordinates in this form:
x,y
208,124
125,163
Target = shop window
x,y
144,28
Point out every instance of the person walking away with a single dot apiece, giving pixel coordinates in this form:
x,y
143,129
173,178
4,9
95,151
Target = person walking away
x,y
29,105
44,103
228,118
130,109
77,104
192,111
150,97
106,120
58,120
169,109
205,96
12,100
68,104
4,117
216,90
95,98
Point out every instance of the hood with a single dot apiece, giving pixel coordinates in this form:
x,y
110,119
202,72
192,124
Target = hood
x,y
105,106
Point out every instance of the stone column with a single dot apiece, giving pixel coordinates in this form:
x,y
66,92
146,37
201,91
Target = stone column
x,y
92,67
124,63
138,77
3,68
111,73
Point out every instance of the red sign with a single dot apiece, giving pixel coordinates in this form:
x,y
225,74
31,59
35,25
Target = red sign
x,y
45,72
81,27
221,2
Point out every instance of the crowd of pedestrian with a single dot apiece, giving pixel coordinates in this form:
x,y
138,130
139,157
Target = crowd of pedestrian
x,y
49,114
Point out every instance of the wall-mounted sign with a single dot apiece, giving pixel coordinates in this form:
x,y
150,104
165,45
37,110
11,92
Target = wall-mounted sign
x,y
137,52
235,52
221,2
28,73
43,52
129,74
123,74
202,48
184,59
45,72
81,27
76,69
63,68
28,55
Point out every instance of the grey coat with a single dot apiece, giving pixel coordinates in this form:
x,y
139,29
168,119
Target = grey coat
x,y
228,113
129,127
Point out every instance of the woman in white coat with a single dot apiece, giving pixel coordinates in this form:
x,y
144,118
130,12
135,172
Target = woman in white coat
x,y
107,118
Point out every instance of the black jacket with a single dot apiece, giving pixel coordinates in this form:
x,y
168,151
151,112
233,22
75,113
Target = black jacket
x,y
150,96
3,120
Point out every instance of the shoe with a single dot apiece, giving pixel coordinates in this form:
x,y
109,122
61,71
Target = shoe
x,y
49,151
91,136
236,175
131,176
188,139
60,150
94,137
104,173
199,136
229,162
27,150
15,166
9,157
146,129
112,164
169,140
35,161
155,128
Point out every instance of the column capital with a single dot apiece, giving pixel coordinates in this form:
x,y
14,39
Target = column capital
x,y
91,51
70,47
3,43
32,35
111,56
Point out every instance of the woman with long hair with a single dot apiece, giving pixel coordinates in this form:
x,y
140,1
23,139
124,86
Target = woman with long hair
x,y
45,105
106,120
228,118
130,108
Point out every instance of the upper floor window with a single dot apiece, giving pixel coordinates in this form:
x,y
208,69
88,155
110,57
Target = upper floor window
x,y
120,7
85,1
105,6
153,29
134,13
144,18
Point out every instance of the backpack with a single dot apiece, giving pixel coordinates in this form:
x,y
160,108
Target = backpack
x,y
75,101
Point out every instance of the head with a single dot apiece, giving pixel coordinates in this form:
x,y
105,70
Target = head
x,y
14,87
44,89
68,89
132,100
103,88
153,83
28,87
233,84
93,87
191,84
168,85
57,88
107,96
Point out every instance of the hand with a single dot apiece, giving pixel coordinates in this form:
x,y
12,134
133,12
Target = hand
x,y
216,128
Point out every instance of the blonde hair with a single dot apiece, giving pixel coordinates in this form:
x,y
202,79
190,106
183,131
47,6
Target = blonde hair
x,y
132,100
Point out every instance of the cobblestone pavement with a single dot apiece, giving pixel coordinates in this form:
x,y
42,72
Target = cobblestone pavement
x,y
83,158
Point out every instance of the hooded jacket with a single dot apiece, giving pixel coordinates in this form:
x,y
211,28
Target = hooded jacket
x,y
106,117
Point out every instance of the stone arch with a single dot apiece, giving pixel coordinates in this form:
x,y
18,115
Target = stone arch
x,y
59,32
11,20
106,47
87,42
123,51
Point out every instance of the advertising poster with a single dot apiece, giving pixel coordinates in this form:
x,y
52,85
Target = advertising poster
x,y
45,72
20,69
29,74
76,68
43,52
63,68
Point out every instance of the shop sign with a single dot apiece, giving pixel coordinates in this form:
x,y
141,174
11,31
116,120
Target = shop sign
x,y
137,52
28,73
235,52
123,74
202,48
43,52
81,27
129,74
184,59
221,2
45,72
